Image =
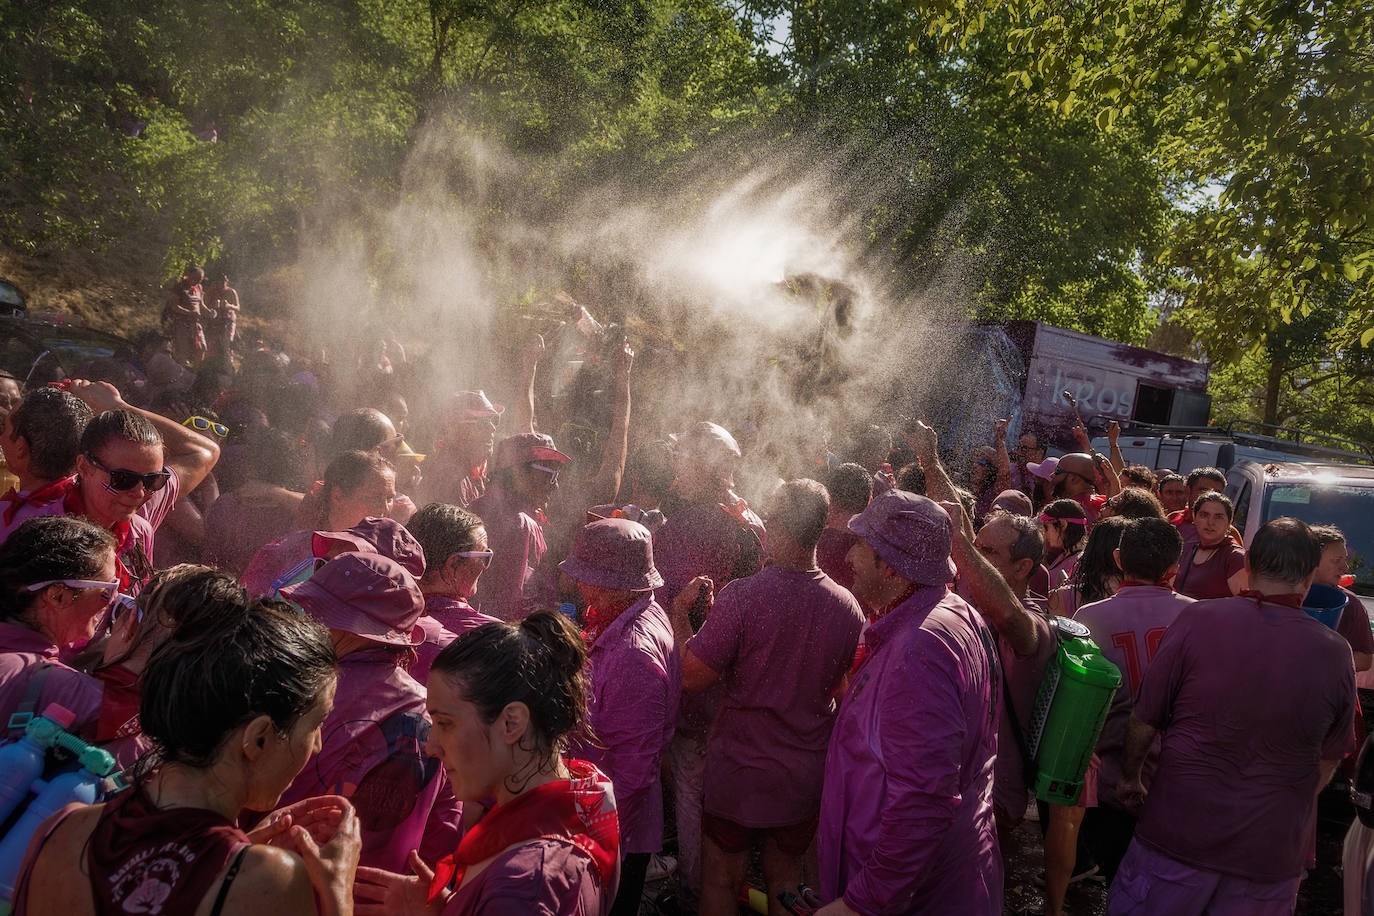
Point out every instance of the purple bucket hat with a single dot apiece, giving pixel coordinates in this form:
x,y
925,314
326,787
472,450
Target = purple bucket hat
x,y
912,534
365,594
614,553
384,536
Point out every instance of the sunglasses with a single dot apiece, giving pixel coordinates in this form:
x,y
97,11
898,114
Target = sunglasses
x,y
123,479
201,424
544,468
109,589
483,555
388,443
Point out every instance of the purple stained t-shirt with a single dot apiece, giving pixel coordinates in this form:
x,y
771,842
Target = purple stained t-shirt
x,y
635,676
781,640
445,619
518,548
906,820
1249,698
22,651
545,877
1128,627
1212,578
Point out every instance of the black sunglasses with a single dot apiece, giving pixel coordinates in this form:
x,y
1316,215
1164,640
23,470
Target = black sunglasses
x,y
124,479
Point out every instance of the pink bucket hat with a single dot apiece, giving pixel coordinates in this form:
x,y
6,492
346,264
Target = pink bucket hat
x,y
614,553
1045,469
384,536
365,594
912,534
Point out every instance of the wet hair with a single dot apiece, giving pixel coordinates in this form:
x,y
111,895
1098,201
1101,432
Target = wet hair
x,y
1169,478
219,672
44,548
1149,546
912,479
442,531
1070,512
801,507
1327,535
52,422
539,661
1139,476
361,429
125,425
346,473
1029,543
1284,550
653,468
850,487
1135,502
185,597
1212,496
1098,563
1197,474
872,438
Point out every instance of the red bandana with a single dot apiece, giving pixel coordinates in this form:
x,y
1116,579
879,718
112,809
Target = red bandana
x,y
122,531
580,809
118,703
43,496
1291,599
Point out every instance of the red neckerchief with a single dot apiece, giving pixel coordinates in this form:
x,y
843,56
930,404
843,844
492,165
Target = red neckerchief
x,y
118,703
580,809
43,496
861,651
1290,599
122,531
1166,582
595,626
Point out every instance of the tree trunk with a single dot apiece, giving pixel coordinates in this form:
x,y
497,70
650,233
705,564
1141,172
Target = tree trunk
x,y
1271,389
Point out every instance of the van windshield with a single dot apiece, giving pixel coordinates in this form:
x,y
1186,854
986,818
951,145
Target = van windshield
x,y
1349,508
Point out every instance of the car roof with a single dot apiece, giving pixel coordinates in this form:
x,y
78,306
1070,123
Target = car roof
x,y
1317,471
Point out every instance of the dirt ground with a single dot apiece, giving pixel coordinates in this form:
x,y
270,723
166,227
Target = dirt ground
x,y
1320,894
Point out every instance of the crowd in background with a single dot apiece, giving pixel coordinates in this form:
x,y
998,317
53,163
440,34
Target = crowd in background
x,y
487,660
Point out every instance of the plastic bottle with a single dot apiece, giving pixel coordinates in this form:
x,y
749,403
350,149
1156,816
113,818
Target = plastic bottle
x,y
1070,710
21,764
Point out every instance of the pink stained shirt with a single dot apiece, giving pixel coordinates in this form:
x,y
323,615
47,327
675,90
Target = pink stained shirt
x,y
703,539
1022,678
1128,628
1212,578
906,821
437,637
518,548
446,618
781,640
635,681
546,877
289,559
834,546
1249,699
374,755
22,652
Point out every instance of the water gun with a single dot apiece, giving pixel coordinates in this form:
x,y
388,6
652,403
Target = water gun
x,y
21,775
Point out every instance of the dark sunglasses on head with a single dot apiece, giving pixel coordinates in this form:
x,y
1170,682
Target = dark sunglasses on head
x,y
201,424
125,479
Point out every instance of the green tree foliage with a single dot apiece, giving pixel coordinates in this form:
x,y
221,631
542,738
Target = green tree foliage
x,y
1265,131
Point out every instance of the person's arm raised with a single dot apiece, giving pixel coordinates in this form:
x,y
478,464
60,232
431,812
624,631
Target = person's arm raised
x,y
529,366
185,451
1003,457
991,596
608,478
922,440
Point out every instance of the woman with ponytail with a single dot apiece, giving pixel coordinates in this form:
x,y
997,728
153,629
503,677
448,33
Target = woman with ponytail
x,y
233,707
505,699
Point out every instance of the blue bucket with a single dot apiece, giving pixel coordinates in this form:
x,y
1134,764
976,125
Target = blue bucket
x,y
1325,604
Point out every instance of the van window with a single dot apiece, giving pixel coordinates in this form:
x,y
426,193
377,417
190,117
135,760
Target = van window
x,y
1350,508
1242,503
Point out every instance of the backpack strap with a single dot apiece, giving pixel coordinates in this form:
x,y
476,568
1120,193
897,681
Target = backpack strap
x,y
28,706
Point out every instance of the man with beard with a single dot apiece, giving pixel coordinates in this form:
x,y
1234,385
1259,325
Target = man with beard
x,y
1075,477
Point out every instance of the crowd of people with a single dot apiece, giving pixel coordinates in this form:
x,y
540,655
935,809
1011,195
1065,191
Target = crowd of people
x,y
497,675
